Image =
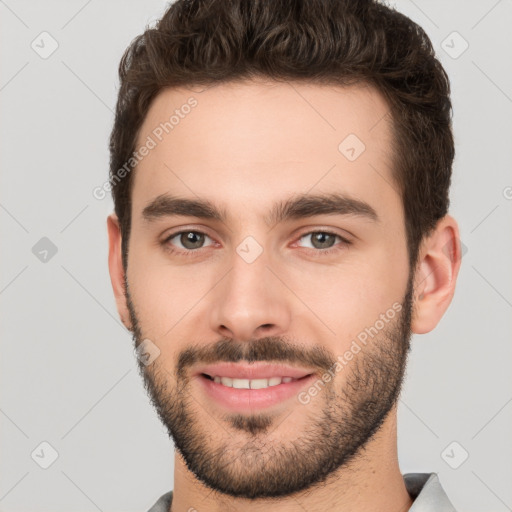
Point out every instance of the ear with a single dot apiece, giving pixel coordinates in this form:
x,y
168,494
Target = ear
x,y
115,266
436,273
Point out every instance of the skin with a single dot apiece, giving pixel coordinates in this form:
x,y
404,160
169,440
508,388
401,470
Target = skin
x,y
244,147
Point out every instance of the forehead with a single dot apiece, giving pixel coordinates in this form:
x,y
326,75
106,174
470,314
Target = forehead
x,y
262,140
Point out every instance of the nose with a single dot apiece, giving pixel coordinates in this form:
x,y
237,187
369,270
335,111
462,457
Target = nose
x,y
250,302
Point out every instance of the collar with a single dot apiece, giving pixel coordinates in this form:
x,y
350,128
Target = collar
x,y
427,493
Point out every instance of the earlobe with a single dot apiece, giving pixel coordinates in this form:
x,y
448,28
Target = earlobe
x,y
436,274
116,269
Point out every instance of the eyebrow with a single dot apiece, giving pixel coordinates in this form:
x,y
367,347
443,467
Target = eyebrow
x,y
297,207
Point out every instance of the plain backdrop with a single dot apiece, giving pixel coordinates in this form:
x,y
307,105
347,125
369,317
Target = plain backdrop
x,y
68,370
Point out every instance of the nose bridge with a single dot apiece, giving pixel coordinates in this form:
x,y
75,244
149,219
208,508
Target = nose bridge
x,y
249,302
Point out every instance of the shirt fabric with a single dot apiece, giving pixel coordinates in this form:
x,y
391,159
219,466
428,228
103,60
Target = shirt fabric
x,y
424,488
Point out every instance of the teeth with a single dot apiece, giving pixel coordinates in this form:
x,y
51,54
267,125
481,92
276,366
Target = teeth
x,y
240,383
259,383
251,383
227,381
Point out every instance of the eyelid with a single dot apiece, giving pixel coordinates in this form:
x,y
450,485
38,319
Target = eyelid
x,y
303,231
345,237
185,229
344,243
202,231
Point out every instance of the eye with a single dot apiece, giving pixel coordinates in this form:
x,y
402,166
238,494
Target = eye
x,y
324,241
186,240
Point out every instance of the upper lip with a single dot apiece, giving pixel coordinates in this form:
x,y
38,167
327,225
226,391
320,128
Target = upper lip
x,y
252,371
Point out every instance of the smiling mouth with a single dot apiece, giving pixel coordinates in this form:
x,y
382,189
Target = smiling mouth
x,y
238,383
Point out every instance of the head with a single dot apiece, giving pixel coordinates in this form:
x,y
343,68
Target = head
x,y
290,206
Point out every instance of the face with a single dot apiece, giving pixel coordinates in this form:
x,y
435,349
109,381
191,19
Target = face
x,y
285,275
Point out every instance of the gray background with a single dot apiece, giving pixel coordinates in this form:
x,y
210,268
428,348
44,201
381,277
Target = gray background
x,y
68,371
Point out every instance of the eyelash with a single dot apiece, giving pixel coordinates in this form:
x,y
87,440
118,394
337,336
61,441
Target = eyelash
x,y
194,252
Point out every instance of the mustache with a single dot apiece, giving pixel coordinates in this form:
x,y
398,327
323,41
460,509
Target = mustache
x,y
268,349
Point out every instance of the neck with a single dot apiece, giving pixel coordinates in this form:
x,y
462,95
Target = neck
x,y
372,481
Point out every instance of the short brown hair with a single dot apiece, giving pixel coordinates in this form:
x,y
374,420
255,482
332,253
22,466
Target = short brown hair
x,y
344,42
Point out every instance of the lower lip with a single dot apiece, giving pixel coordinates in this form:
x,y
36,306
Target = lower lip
x,y
250,399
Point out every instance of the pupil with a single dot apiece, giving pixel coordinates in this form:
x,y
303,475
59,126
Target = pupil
x,y
193,240
323,240
187,239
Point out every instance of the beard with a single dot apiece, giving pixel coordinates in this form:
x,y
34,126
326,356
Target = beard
x,y
243,455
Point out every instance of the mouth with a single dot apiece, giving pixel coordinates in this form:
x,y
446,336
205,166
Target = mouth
x,y
231,382
246,387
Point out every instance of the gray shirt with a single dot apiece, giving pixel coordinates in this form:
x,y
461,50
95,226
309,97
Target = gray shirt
x,y
424,488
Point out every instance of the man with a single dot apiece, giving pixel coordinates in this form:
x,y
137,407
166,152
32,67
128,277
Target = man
x,y
280,173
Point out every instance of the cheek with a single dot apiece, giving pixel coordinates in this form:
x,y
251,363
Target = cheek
x,y
346,297
165,295
350,297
